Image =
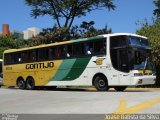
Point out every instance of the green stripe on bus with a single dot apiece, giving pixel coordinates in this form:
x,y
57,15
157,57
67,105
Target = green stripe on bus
x,y
77,69
64,69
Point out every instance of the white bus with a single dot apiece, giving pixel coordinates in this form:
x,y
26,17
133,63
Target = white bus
x,y
105,61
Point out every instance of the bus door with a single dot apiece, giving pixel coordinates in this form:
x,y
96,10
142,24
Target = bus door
x,y
123,65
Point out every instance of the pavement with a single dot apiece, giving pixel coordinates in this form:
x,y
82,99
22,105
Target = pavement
x,y
73,103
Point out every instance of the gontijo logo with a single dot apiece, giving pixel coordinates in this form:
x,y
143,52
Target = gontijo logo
x,y
40,65
99,61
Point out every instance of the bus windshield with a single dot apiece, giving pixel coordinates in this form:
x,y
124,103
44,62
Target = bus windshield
x,y
137,41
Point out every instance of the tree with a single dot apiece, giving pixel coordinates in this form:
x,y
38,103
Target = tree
x,y
56,34
9,42
153,34
66,9
157,10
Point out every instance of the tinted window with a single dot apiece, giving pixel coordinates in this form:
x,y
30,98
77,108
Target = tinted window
x,y
78,49
118,41
43,54
7,59
0,66
89,48
32,55
100,47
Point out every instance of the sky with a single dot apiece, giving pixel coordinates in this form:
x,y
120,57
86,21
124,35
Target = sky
x,y
122,19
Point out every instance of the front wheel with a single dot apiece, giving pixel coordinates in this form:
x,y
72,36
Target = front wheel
x,y
101,84
30,84
120,88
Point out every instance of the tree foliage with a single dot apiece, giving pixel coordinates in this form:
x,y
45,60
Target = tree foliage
x,y
9,42
157,10
66,9
56,34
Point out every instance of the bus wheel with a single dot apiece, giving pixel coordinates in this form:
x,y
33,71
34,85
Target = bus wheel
x,y
120,88
21,83
100,82
30,84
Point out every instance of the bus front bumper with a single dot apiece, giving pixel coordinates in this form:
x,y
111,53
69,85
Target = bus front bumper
x,y
144,80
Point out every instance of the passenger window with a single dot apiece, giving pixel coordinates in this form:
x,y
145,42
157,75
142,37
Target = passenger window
x,y
7,59
24,56
16,58
43,54
51,53
78,49
88,48
69,51
100,47
32,56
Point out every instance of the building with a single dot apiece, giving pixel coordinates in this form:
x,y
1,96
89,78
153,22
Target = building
x,y
5,29
26,34
18,35
31,32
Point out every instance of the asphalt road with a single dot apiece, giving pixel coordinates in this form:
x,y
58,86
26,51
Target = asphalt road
x,y
78,101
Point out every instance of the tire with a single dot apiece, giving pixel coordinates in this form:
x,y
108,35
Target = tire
x,y
120,88
101,83
30,84
21,83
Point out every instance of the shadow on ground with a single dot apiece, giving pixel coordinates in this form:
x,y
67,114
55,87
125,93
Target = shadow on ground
x,y
68,89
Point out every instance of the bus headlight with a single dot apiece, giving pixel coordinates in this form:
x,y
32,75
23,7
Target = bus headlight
x,y
138,74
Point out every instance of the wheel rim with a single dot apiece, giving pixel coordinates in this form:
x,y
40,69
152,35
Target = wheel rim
x,y
101,83
20,84
30,84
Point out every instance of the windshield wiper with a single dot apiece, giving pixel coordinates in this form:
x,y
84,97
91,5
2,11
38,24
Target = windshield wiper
x,y
145,64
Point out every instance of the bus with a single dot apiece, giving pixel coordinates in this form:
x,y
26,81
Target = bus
x,y
116,61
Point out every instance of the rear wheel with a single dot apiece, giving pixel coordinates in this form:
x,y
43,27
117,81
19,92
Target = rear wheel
x,y
30,84
120,88
101,84
21,83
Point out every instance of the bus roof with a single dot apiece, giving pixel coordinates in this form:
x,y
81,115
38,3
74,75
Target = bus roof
x,y
117,34
73,41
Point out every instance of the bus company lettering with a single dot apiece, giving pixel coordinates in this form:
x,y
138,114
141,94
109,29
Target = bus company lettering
x,y
40,65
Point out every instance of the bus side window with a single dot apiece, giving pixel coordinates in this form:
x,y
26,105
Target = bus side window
x,y
100,47
88,48
43,54
69,51
24,56
61,52
56,53
7,59
16,58
32,56
78,49
51,53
